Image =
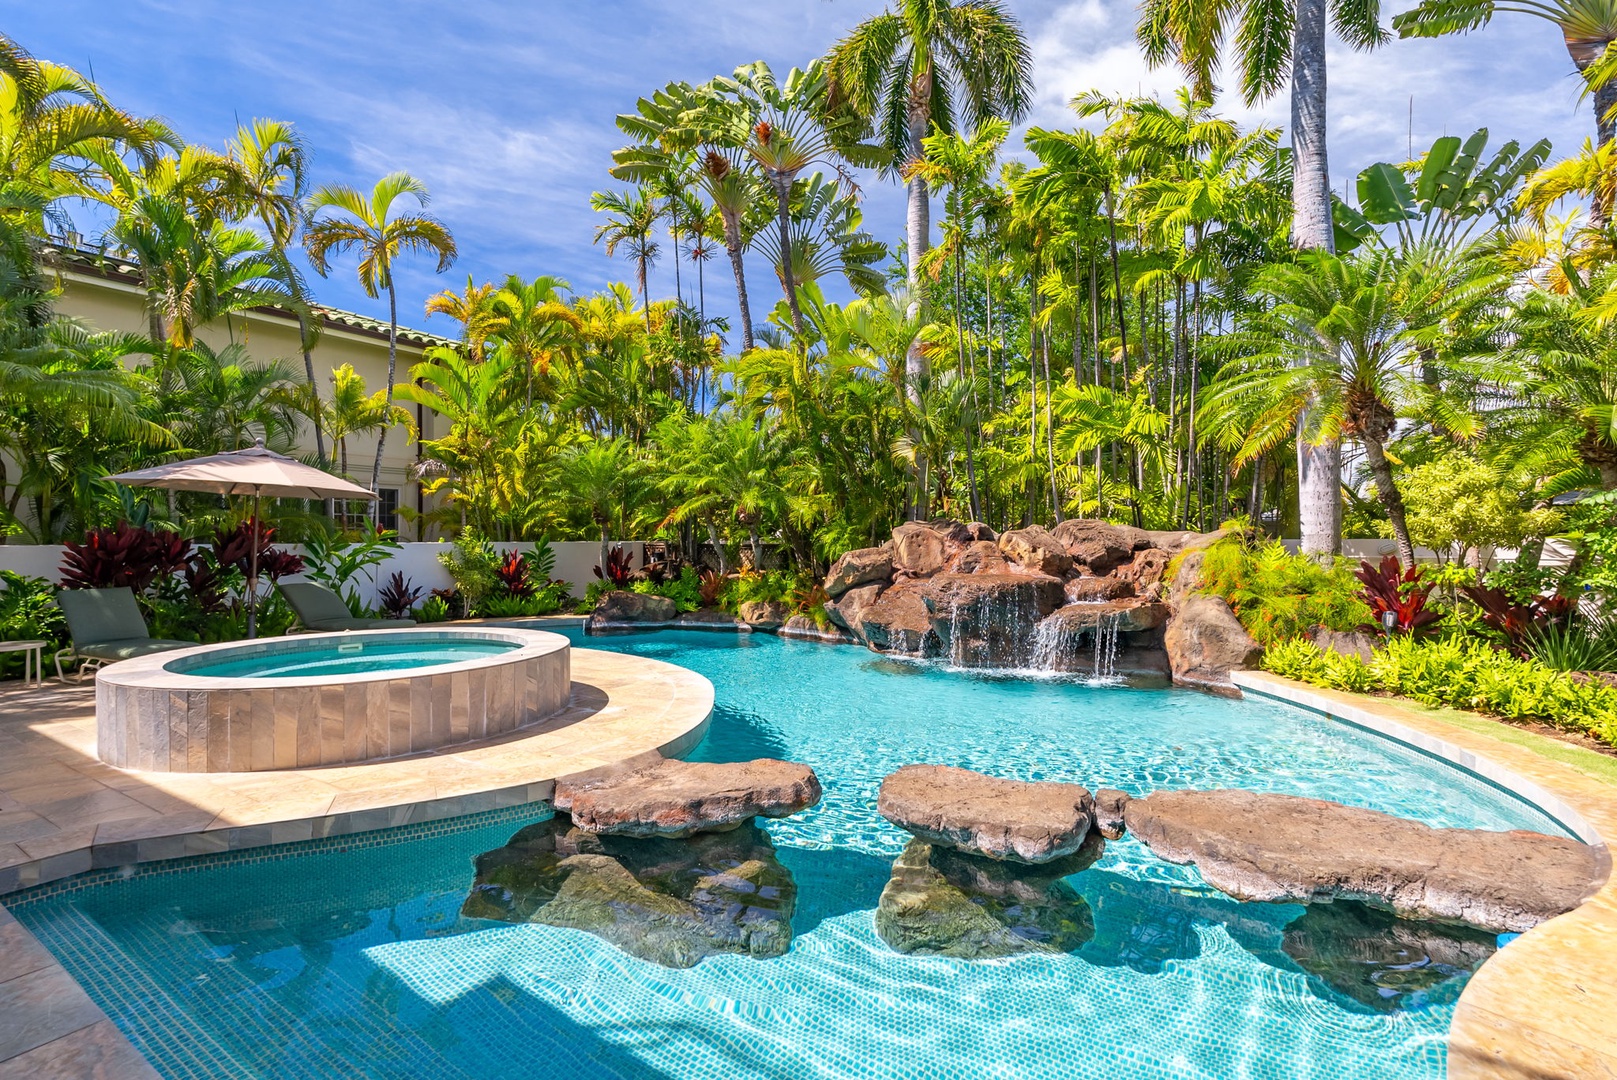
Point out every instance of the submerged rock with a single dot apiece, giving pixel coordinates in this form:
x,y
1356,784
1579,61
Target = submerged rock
x,y
1381,961
672,902
1285,848
941,902
1001,819
668,797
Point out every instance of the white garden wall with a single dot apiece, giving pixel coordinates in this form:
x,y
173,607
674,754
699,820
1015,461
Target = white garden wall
x,y
575,563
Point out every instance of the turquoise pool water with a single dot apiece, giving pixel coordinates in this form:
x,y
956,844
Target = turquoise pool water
x,y
351,958
326,656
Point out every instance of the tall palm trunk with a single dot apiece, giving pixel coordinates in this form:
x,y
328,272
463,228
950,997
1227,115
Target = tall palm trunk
x,y
1605,129
917,230
732,247
387,410
1391,498
783,200
1319,466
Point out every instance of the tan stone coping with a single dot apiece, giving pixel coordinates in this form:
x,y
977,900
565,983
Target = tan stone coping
x,y
63,811
1545,1006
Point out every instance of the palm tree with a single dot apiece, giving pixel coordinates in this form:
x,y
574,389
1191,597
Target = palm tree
x,y
1587,26
783,127
471,307
600,475
932,65
633,227
1347,319
531,321
369,227
1279,41
274,165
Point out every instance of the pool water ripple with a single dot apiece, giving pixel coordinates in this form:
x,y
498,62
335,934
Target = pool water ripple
x,y
358,963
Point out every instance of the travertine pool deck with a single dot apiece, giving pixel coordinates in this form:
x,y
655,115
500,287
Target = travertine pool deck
x,y
1545,1006
63,811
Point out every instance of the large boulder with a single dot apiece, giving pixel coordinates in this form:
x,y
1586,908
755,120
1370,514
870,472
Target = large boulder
x,y
920,548
976,531
1013,820
1293,850
979,557
1036,549
764,614
899,622
621,608
941,902
1090,589
670,902
861,566
1346,642
1205,642
848,611
987,620
668,797
1128,616
1382,962
1099,545
1148,567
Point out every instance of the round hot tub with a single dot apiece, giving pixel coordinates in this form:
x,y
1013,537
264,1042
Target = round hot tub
x,y
326,699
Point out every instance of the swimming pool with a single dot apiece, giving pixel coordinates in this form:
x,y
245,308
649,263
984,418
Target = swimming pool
x,y
352,957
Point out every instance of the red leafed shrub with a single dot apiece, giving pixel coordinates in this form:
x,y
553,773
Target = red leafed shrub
x,y
513,574
1517,621
711,584
205,585
398,595
128,555
1389,587
619,569
234,547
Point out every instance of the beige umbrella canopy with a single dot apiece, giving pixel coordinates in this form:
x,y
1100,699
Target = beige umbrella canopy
x,y
254,471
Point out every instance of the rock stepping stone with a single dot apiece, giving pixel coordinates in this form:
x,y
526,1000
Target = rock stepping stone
x,y
672,798
1001,819
1289,849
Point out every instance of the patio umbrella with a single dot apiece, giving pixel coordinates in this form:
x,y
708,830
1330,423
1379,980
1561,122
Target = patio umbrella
x,y
254,471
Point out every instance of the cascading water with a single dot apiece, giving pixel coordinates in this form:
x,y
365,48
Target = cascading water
x,y
1052,640
1105,669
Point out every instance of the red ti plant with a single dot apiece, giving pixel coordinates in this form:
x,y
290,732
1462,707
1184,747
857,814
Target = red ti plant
x,y
128,555
234,547
398,595
619,568
710,584
1391,588
513,574
1517,621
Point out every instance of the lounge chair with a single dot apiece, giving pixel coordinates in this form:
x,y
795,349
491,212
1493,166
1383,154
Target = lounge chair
x,y
106,626
320,609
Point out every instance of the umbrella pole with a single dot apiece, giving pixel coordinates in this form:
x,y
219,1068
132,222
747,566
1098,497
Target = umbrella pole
x,y
252,575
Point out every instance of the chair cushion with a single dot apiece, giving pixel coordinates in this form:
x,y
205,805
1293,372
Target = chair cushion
x,y
314,603
128,648
102,614
351,623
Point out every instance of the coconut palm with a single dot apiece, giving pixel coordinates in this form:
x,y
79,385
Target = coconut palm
x,y
932,65
1279,41
372,227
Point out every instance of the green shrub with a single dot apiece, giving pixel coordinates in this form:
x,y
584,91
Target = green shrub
x,y
28,612
750,586
473,565
432,609
1574,647
1459,672
1279,596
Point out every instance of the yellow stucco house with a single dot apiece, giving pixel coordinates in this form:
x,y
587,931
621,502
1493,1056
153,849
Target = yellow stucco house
x,y
105,292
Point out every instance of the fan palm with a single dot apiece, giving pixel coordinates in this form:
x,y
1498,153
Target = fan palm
x,y
371,227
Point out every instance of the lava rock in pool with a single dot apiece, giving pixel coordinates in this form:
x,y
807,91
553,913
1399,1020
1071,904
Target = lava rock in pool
x,y
1257,846
941,902
987,815
671,902
1381,961
668,797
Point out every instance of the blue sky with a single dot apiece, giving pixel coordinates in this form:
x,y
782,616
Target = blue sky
x,y
506,109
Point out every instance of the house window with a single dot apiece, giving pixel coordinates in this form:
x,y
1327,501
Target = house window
x,y
387,514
